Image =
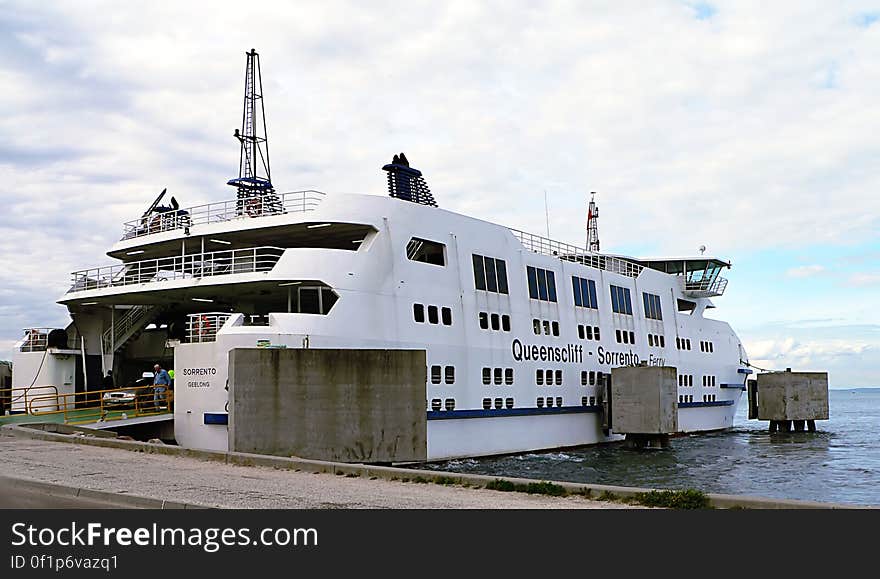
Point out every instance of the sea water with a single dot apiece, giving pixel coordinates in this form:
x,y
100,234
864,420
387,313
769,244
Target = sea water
x,y
840,463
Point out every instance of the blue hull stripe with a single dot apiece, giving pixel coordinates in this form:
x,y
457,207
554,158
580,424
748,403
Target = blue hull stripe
x,y
216,418
705,404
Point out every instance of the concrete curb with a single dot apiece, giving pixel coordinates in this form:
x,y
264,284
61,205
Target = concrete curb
x,y
593,491
118,500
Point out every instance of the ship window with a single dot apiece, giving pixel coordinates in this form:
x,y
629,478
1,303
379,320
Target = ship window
x,y
686,306
490,274
617,335
592,378
585,401
436,404
632,337
680,398
555,328
542,284
559,401
583,377
499,404
580,331
536,325
435,374
505,323
446,313
690,379
311,300
449,404
592,400
487,403
433,316
549,402
508,376
662,342
595,333
540,402
584,292
484,321
496,322
711,347
546,324
498,375
600,378
508,402
650,339
487,375
652,306
539,377
450,374
548,377
426,251
621,302
559,377
688,342
419,313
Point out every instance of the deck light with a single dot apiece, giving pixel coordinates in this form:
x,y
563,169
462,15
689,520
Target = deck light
x,y
136,252
202,300
289,283
317,225
221,241
88,303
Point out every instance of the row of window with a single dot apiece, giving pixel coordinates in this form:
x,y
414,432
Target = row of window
x,y
543,377
498,376
706,346
708,398
709,381
686,398
592,378
499,403
542,284
435,314
656,340
549,399
494,321
685,379
437,373
588,332
588,401
437,404
625,337
490,274
683,343
547,327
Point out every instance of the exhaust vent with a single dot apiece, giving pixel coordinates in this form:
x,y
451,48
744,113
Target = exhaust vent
x,y
407,183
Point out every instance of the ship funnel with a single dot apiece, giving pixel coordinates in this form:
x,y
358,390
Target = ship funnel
x,y
407,183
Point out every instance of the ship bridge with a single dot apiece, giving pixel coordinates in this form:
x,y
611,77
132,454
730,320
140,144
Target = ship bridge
x,y
699,276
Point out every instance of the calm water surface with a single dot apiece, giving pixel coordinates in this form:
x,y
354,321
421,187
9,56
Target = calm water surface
x,y
840,463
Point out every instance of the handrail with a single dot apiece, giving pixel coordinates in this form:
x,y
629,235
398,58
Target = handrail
x,y
122,325
567,252
102,406
196,265
35,340
705,287
273,204
204,327
9,397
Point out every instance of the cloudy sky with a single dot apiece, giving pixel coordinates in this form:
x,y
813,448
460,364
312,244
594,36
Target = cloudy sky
x,y
748,127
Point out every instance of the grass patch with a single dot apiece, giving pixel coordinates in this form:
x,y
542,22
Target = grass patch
x,y
352,475
421,480
535,488
686,499
608,496
444,480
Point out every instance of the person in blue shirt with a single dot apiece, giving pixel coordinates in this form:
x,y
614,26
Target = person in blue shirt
x,y
161,382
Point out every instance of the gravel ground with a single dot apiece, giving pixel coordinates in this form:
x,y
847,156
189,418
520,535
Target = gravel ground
x,y
228,486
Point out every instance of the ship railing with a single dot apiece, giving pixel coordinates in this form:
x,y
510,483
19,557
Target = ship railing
x,y
16,400
204,327
196,265
99,405
706,287
35,340
567,252
262,206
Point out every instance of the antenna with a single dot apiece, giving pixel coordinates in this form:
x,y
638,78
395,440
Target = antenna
x,y
702,249
547,213
593,225
254,182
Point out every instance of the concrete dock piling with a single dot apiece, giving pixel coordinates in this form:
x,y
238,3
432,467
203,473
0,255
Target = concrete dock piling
x,y
791,401
645,404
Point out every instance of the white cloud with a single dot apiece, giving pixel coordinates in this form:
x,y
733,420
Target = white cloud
x,y
805,271
864,279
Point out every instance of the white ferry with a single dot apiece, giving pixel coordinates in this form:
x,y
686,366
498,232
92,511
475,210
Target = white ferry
x,y
520,331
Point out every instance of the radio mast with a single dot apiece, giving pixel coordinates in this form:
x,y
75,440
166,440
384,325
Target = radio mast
x,y
256,195
593,225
